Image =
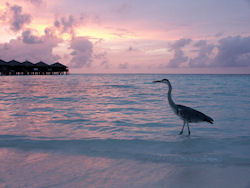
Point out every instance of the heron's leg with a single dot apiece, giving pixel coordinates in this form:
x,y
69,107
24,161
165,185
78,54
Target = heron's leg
x,y
188,129
182,128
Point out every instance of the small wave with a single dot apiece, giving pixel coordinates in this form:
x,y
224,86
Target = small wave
x,y
67,121
179,151
121,86
126,110
65,99
44,109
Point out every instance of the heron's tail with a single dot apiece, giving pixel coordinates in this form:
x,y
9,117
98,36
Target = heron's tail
x,y
209,120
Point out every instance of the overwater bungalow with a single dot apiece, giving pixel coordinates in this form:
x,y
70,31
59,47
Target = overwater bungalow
x,y
14,67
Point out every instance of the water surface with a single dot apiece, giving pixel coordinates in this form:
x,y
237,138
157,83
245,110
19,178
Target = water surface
x,y
119,131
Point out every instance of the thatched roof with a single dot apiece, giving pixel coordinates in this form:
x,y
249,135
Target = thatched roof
x,y
2,62
14,67
57,64
41,64
27,64
14,63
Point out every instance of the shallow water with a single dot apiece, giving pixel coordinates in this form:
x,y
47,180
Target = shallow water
x,y
119,131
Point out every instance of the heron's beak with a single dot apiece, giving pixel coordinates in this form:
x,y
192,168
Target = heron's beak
x,y
157,81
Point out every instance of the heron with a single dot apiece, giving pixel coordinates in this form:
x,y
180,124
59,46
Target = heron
x,y
187,114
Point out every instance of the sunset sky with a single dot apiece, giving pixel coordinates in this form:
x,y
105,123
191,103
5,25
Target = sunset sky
x,y
125,36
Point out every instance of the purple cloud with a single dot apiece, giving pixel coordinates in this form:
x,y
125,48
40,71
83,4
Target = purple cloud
x,y
233,52
102,58
203,59
102,55
123,8
82,52
105,64
131,49
18,20
180,43
178,59
65,25
35,2
179,56
123,65
28,38
30,47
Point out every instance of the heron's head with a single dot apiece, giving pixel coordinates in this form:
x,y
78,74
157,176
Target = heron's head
x,y
162,81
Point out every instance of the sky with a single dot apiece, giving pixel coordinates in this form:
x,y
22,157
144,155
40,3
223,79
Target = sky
x,y
125,36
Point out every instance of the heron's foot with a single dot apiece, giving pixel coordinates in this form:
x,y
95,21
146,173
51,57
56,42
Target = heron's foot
x,y
181,133
189,133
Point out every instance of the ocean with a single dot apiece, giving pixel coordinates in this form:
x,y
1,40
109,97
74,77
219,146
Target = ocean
x,y
117,130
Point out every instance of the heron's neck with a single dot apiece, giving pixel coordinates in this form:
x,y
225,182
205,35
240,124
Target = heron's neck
x,y
170,100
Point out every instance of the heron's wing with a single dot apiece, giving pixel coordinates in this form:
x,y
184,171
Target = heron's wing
x,y
192,115
185,109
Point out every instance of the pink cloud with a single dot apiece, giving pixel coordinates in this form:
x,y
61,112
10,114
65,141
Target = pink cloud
x,y
82,52
30,47
231,51
29,38
123,65
203,59
18,19
179,56
66,25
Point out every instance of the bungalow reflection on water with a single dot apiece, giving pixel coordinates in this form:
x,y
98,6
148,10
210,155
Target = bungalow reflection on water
x,y
27,68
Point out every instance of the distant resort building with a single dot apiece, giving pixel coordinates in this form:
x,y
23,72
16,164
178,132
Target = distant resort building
x,y
27,68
